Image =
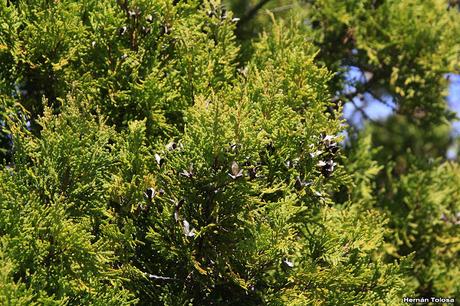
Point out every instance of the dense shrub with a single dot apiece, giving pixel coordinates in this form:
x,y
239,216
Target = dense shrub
x,y
148,158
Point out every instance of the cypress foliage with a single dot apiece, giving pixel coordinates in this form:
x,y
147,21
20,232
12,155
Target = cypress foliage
x,y
418,194
58,235
145,163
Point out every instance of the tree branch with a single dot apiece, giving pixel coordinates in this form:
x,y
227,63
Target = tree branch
x,y
364,114
381,100
361,110
359,90
283,8
251,13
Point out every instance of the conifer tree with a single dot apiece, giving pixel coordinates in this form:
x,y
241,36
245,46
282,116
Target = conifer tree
x,y
401,52
153,153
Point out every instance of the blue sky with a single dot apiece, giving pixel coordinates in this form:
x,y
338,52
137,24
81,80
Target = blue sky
x,y
453,99
377,110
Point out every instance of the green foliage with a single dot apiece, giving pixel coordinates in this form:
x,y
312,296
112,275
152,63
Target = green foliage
x,y
158,153
214,238
403,47
134,60
425,221
419,196
57,233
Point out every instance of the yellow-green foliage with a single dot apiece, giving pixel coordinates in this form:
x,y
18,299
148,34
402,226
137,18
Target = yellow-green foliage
x,y
419,195
150,157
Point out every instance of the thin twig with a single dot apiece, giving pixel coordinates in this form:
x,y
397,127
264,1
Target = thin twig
x,y
283,8
393,108
359,90
364,114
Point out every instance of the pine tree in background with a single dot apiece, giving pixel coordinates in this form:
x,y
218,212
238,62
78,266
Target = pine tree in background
x,y
158,153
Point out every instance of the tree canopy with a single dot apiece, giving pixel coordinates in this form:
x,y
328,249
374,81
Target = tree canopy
x,y
196,153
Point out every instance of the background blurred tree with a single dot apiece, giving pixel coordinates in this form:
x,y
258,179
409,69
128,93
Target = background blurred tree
x,y
402,49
